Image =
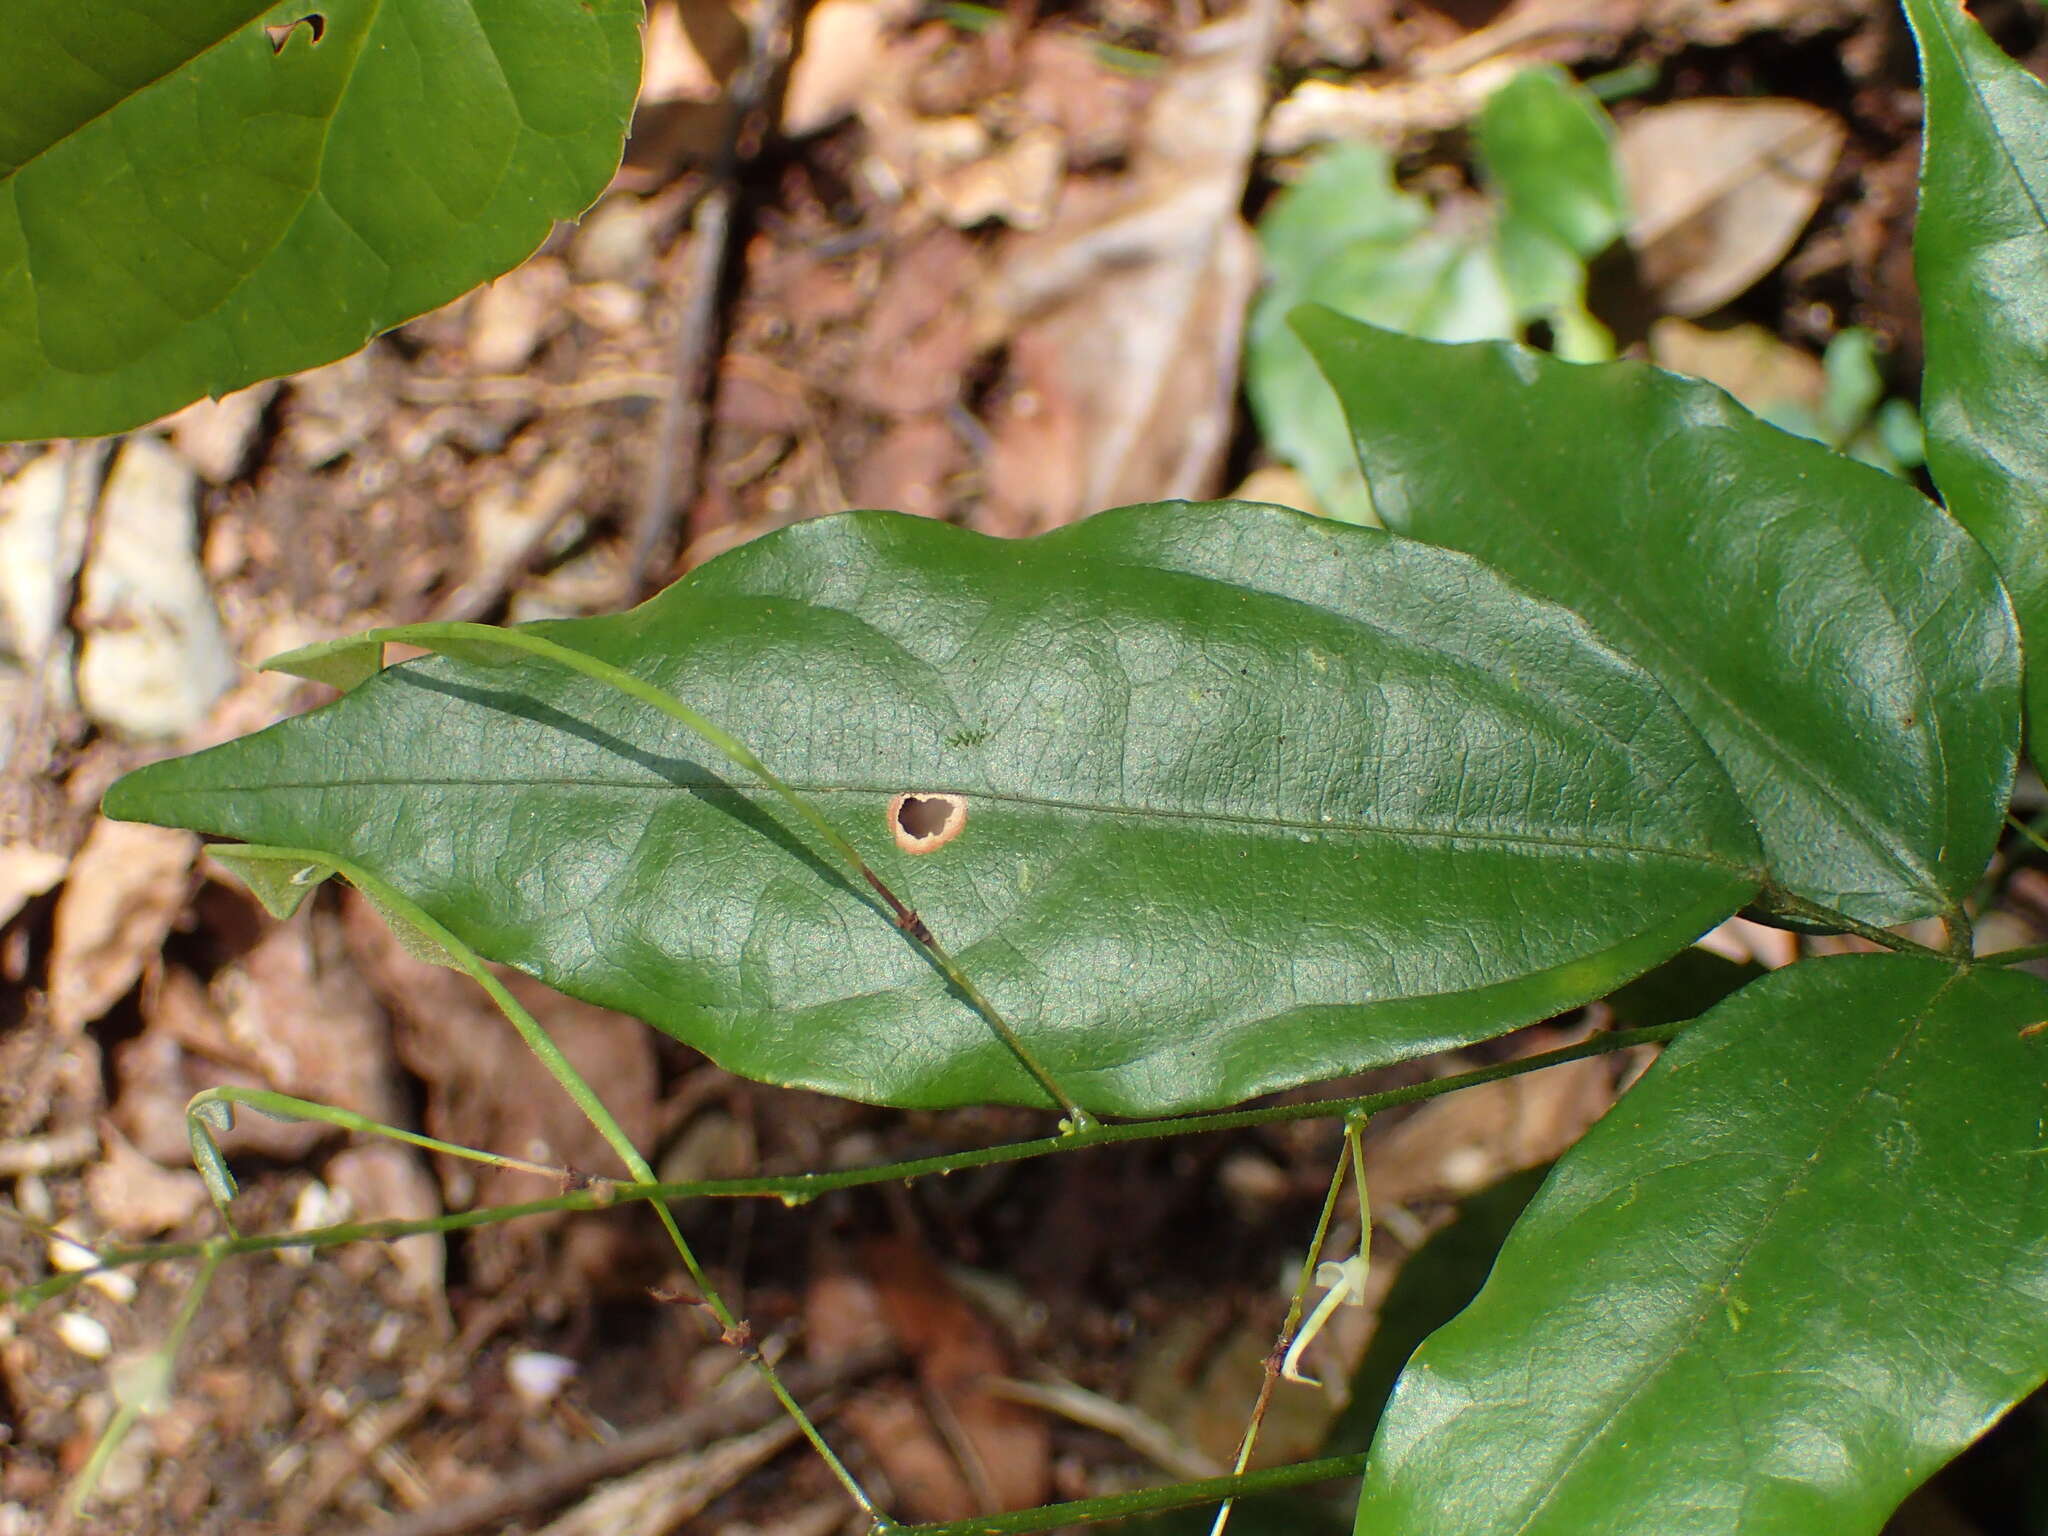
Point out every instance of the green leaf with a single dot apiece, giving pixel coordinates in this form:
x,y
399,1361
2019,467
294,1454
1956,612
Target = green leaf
x,y
1845,647
1253,799
1980,251
185,208
1548,151
1796,1269
282,886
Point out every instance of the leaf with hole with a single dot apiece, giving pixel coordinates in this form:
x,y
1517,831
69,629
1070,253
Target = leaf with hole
x,y
1815,1236
197,194
1246,799
1845,647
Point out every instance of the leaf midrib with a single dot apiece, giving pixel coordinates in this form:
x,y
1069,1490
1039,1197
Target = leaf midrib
x,y
1079,808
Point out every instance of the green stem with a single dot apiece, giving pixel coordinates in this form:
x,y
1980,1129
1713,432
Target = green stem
x,y
394,905
1145,1501
434,636
796,1189
1271,1375
1883,938
2018,956
160,1363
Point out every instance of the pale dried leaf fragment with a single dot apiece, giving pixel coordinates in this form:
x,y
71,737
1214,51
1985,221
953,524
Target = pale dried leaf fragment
x,y
1464,1142
215,436
1720,190
838,61
153,656
125,889
1383,112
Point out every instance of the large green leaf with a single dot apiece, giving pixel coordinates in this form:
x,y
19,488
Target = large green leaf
x,y
1253,799
185,209
1980,251
1845,647
1796,1269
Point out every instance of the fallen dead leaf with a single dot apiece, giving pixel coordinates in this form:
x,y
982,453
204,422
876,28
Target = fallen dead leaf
x,y
1462,1142
1126,314
838,58
508,318
1748,361
216,436
125,889
1720,190
485,1089
924,1480
289,1014
1003,1448
1382,111
132,1195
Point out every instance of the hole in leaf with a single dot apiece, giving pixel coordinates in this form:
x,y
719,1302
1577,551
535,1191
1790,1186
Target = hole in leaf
x,y
314,23
920,823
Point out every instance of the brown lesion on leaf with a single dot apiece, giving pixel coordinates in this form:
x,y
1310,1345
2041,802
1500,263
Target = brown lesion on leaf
x,y
923,822
281,33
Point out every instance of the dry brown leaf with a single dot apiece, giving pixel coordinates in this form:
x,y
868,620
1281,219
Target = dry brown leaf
x,y
1748,361
152,654
1720,190
289,1014
125,889
1468,1141
838,60
1127,312
1003,1448
215,436
924,1481
132,1196
508,318
26,872
1384,112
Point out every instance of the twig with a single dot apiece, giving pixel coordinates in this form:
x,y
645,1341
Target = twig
x,y
675,463
47,1154
748,1406
420,1396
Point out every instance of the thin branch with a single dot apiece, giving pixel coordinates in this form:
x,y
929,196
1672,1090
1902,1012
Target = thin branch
x,y
797,1189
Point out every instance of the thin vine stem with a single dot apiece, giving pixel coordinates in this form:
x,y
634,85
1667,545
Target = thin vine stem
x,y
1146,1501
1270,1376
798,1189
400,909
1957,923
436,635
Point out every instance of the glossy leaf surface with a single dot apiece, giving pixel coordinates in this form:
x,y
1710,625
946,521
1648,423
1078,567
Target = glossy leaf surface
x,y
190,203
1806,1259
1980,251
1845,646
1253,799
